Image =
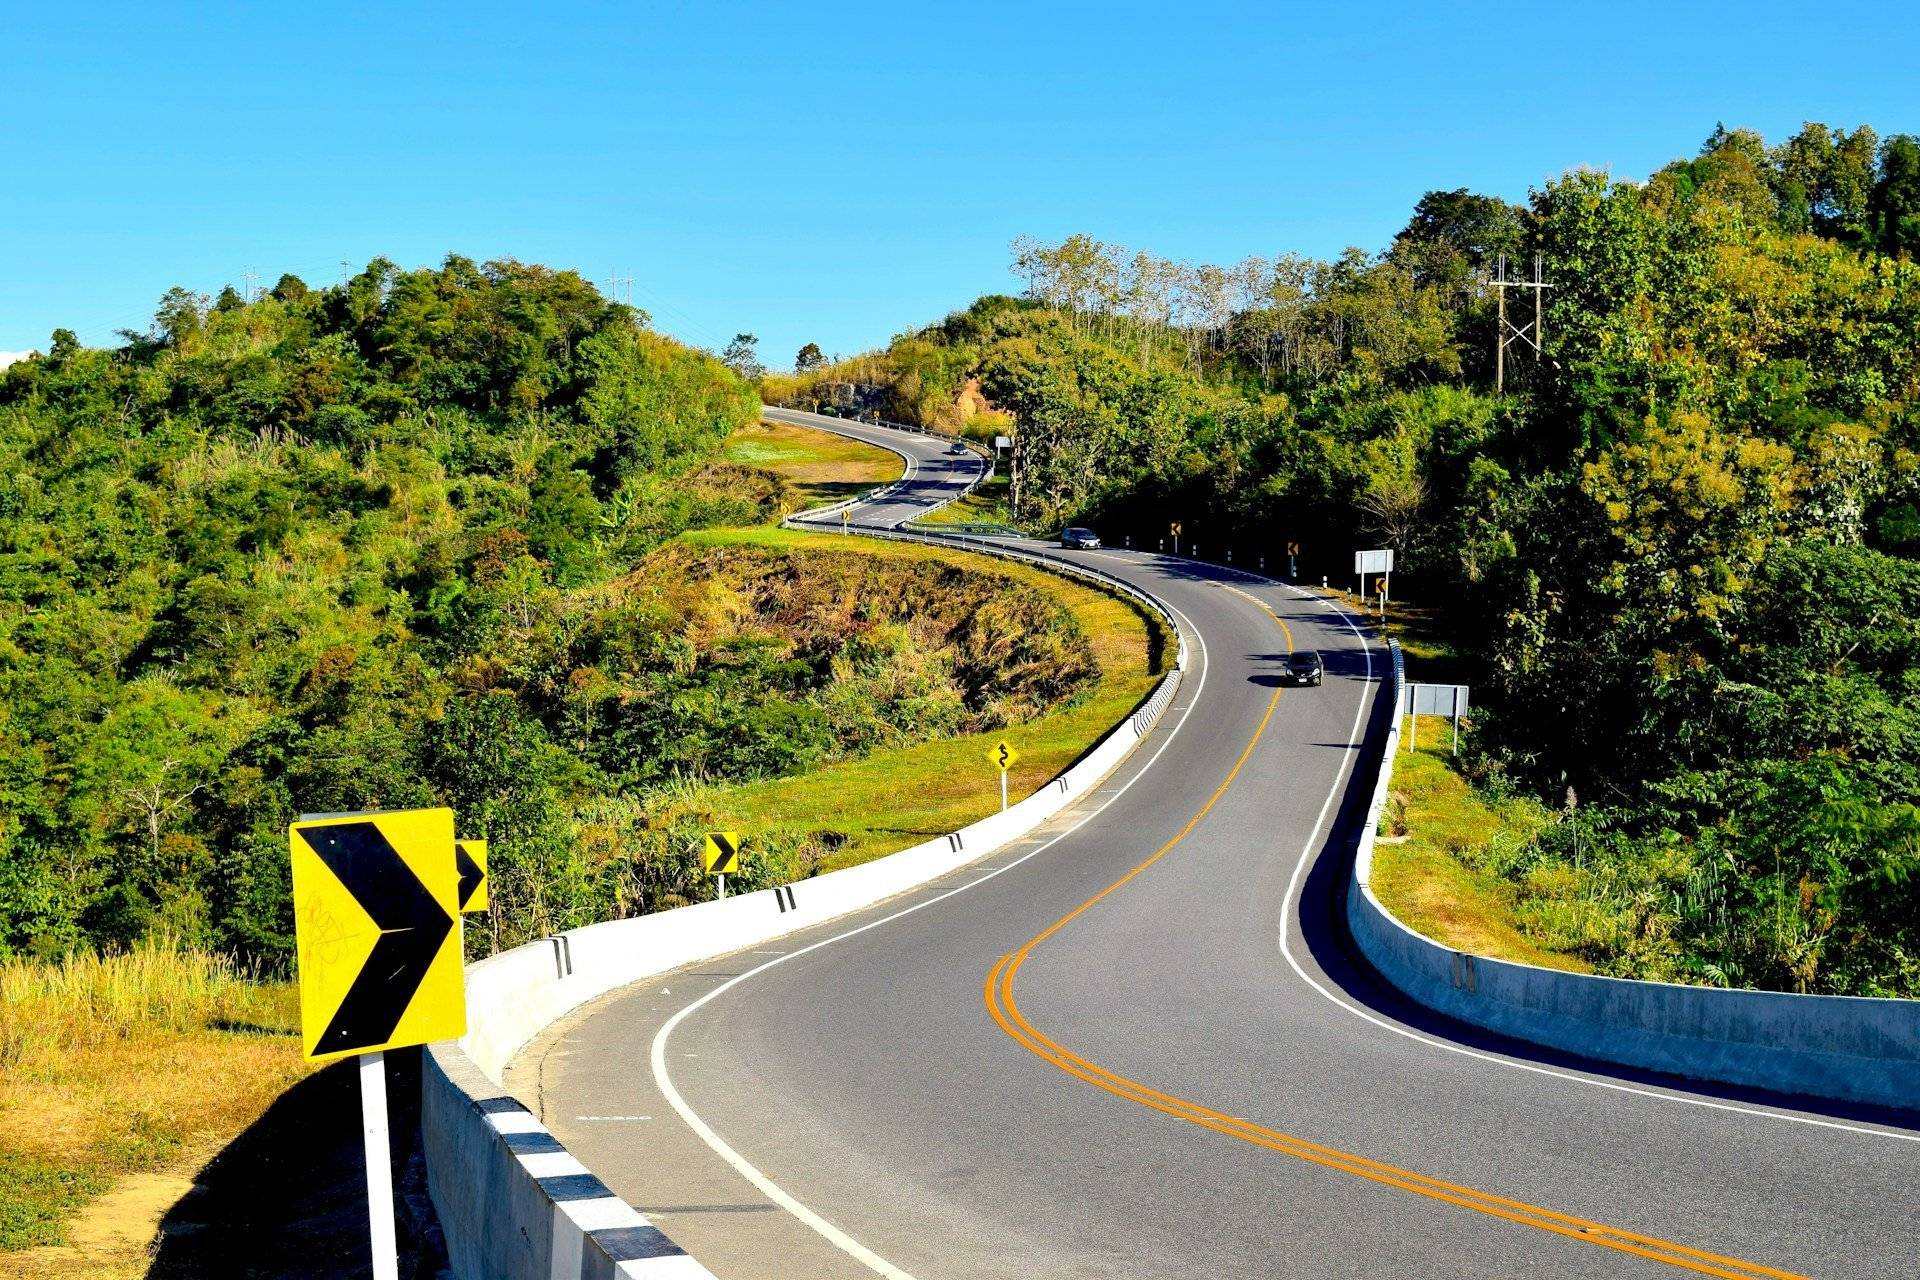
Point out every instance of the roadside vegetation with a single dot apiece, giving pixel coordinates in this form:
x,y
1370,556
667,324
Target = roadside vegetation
x,y
470,536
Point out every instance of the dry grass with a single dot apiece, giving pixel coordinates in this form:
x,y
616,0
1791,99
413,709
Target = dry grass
x,y
1427,882
823,467
139,1064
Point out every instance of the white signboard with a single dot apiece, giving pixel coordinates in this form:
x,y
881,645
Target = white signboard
x,y
1437,699
1373,561
1003,442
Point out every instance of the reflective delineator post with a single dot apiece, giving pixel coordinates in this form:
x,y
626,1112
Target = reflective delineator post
x,y
373,1124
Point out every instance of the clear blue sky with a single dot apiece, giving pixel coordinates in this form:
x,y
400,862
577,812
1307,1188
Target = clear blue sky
x,y
835,173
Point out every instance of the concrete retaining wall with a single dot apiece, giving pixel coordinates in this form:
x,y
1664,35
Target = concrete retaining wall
x,y
1836,1047
511,1200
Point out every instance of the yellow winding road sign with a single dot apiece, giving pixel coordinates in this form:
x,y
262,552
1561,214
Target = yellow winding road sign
x,y
722,854
376,901
1002,756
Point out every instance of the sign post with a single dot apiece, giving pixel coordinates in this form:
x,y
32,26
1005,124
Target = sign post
x,y
376,902
1293,567
1174,530
1378,561
373,1130
722,855
1449,700
1002,756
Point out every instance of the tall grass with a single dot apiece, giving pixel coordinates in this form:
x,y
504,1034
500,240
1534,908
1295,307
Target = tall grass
x,y
50,1012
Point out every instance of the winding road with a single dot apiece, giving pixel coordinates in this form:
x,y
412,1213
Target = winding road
x,y
1135,1044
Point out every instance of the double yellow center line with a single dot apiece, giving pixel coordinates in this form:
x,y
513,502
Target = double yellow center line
x,y
1005,1009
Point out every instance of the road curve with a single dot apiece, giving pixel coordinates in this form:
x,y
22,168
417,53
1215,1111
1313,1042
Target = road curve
x,y
1135,1044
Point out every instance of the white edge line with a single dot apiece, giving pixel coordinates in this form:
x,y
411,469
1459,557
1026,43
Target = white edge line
x,y
765,1185
1287,905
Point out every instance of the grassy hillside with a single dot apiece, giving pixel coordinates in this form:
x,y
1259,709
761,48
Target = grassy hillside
x,y
860,679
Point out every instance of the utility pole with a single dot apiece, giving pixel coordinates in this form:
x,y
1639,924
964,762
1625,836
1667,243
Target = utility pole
x,y
1506,332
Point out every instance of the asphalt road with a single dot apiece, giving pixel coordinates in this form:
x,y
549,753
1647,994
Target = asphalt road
x,y
1190,1076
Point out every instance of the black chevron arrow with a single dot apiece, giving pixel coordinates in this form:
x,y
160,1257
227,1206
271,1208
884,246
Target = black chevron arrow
x,y
470,873
412,927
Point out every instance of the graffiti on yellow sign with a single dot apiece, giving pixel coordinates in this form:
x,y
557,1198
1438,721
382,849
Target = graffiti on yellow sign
x,y
722,854
376,901
1002,756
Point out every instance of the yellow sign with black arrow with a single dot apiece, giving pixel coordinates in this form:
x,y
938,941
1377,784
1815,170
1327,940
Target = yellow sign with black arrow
x,y
1002,756
722,854
376,901
470,862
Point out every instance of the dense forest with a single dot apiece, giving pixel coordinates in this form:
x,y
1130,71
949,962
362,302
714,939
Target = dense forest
x,y
1680,546
407,540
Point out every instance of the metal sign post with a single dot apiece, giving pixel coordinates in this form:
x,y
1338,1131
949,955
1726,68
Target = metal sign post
x,y
1378,561
1450,700
373,1128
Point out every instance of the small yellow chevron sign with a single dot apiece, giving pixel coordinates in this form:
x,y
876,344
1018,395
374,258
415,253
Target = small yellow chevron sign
x,y
1174,528
722,854
470,861
1002,756
376,903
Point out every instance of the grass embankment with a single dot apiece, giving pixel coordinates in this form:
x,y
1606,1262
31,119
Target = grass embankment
x,y
986,504
896,797
1439,835
119,1076
821,466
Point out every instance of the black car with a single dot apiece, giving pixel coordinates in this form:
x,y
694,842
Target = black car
x,y
956,447
1082,539
1304,668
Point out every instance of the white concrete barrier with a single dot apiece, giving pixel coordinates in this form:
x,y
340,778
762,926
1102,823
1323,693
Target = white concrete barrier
x,y
1843,1048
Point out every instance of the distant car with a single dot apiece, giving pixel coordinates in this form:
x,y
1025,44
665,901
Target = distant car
x,y
956,447
1304,668
1080,539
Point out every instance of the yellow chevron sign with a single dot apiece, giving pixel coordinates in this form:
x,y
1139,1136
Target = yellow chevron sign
x,y
376,903
722,854
470,863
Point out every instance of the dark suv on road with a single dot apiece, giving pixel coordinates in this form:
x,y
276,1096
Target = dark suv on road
x,y
1081,539
1304,668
